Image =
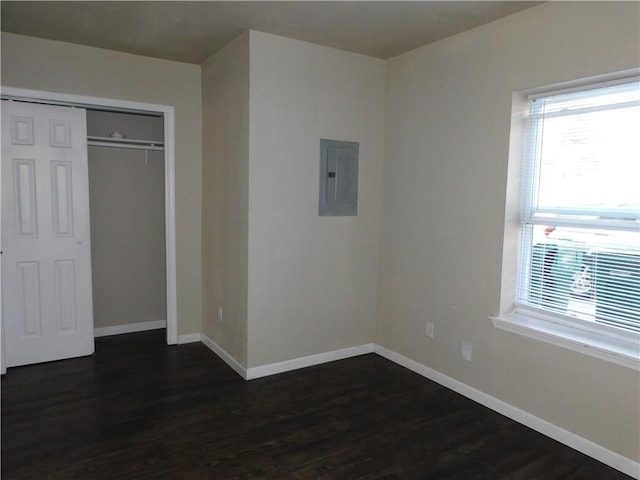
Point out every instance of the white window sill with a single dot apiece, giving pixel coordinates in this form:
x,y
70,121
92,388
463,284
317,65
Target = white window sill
x,y
597,340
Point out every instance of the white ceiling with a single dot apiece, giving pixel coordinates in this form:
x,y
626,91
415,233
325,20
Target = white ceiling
x,y
192,31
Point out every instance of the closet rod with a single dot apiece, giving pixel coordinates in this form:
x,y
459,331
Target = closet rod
x,y
95,143
125,143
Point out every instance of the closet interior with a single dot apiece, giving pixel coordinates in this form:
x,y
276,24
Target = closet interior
x,y
127,210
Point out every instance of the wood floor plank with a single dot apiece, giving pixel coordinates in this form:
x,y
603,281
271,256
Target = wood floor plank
x,y
138,409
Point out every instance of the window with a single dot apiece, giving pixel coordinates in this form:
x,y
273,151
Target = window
x,y
580,206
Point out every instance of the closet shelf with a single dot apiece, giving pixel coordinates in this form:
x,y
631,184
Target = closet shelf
x,y
125,143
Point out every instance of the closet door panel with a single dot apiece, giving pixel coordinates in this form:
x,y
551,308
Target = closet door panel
x,y
47,308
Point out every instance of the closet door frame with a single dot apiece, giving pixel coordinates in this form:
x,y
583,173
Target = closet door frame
x,y
125,106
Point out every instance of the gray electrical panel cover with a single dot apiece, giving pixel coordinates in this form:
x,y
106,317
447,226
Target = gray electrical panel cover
x,y
338,178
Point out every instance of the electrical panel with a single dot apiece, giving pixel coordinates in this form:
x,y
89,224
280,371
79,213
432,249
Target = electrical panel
x,y
338,178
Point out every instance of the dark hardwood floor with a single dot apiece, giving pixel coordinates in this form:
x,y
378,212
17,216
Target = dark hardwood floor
x,y
138,409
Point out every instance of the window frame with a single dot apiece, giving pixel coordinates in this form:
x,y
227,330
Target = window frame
x,y
602,341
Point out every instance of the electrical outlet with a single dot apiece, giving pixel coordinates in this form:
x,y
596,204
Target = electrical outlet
x,y
466,351
429,329
219,314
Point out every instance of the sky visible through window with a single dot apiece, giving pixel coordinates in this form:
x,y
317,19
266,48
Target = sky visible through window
x,y
591,158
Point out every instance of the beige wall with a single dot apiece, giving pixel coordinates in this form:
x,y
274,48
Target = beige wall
x,y
225,93
38,64
446,154
312,279
126,191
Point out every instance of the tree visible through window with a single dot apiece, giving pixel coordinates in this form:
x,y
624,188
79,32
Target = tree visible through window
x,y
581,205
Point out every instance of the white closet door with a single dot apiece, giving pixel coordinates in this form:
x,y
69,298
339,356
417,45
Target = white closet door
x,y
47,306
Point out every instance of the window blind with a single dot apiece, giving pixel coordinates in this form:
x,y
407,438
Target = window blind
x,y
580,208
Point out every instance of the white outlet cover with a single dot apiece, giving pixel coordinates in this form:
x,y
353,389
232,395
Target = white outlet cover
x,y
429,330
466,351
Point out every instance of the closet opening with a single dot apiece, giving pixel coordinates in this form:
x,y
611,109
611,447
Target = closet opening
x,y
127,216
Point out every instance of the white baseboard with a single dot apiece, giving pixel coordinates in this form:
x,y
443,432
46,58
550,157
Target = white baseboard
x,y
222,353
188,338
129,328
600,453
302,362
